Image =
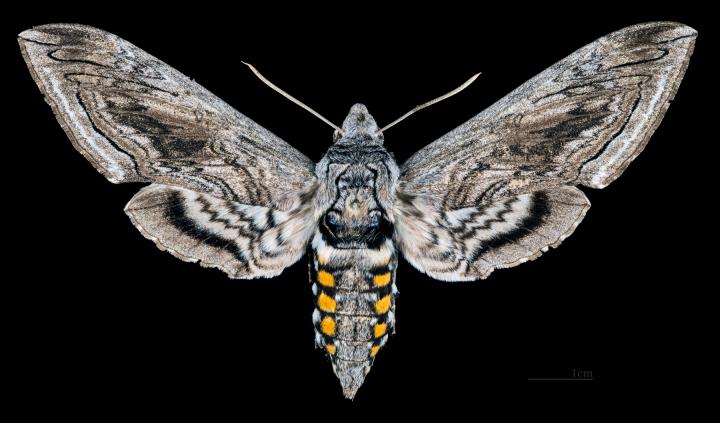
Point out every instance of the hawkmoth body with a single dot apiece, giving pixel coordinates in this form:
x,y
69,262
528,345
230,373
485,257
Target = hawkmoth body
x,y
353,260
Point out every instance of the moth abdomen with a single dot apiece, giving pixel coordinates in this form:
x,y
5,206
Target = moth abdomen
x,y
354,292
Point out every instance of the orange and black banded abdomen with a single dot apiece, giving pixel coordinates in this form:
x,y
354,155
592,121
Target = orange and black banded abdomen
x,y
354,293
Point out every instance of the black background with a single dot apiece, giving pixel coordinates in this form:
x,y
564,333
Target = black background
x,y
103,317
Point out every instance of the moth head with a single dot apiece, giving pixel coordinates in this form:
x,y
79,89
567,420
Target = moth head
x,y
359,126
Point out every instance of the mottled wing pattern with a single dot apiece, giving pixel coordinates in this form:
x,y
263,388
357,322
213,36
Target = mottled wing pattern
x,y
226,192
136,119
469,243
243,241
580,122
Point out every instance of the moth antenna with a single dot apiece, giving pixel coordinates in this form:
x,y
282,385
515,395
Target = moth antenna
x,y
431,102
291,98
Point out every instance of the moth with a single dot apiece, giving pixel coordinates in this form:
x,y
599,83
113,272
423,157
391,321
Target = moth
x,y
225,192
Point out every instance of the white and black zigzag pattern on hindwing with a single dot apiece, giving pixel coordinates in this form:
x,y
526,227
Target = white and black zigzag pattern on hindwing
x,y
243,241
469,243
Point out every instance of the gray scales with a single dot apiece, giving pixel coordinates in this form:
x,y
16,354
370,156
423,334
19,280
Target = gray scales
x,y
227,193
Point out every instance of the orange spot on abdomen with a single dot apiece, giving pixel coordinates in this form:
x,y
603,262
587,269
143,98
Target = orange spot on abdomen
x,y
380,329
383,305
326,303
382,280
327,326
325,278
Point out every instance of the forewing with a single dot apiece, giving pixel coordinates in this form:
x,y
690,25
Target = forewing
x,y
580,122
499,189
137,119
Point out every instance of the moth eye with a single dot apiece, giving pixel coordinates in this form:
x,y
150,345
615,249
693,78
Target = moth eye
x,y
375,217
332,218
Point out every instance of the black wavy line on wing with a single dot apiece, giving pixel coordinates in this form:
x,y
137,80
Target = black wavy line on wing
x,y
116,78
574,86
253,237
664,51
214,216
677,38
87,62
177,216
507,208
99,131
539,210
619,131
39,42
